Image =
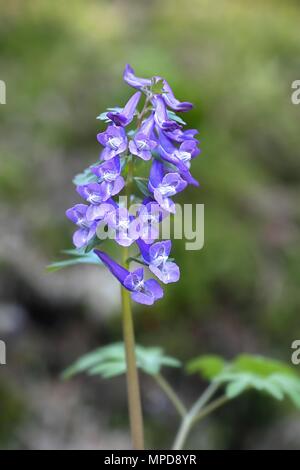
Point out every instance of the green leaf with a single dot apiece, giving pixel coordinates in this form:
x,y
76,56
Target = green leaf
x,y
85,178
261,365
209,366
142,186
157,86
109,361
76,257
246,372
173,116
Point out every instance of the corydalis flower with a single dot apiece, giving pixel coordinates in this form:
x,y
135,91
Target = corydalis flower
x,y
178,135
125,116
156,256
150,214
161,116
114,140
125,226
99,212
142,291
144,141
165,185
109,177
87,229
178,156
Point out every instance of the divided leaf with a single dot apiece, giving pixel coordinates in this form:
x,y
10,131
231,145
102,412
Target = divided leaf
x,y
75,257
208,365
109,361
246,372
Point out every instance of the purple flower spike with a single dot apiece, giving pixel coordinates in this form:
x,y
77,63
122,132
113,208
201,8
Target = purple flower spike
x,y
156,256
114,140
163,186
161,116
143,292
143,142
87,229
157,137
136,82
109,177
124,117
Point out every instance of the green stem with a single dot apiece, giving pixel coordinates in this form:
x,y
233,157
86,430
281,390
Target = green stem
x,y
166,387
211,407
189,419
133,389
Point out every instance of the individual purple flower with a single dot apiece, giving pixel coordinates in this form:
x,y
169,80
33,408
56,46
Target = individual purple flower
x,y
91,192
144,141
87,229
97,212
134,81
164,185
179,157
110,179
178,135
114,140
150,214
125,116
156,256
161,116
127,228
185,153
143,291
171,101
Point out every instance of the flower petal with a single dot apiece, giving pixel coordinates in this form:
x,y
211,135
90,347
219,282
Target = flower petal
x,y
118,271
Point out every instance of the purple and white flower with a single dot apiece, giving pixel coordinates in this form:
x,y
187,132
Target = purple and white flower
x,y
114,140
161,116
109,177
165,185
86,230
150,215
156,256
125,116
143,291
179,157
144,141
126,227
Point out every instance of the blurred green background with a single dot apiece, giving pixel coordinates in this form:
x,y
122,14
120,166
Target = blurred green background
x,y
62,63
